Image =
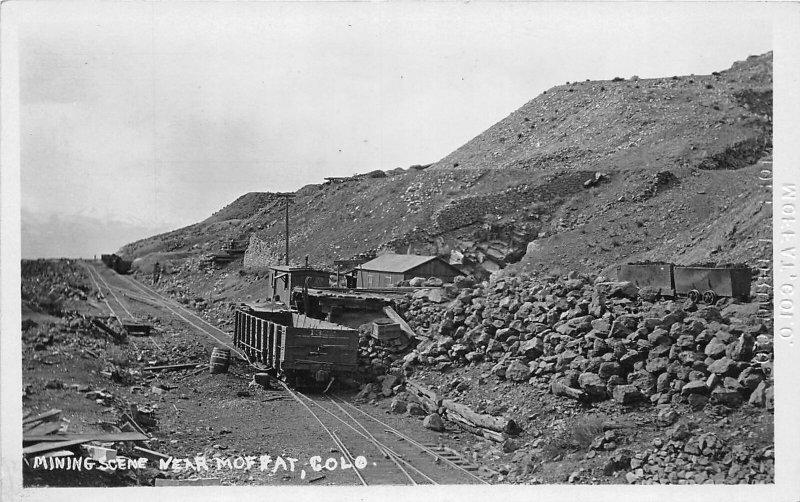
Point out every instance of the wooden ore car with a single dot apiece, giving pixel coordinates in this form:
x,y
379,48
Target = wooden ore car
x,y
116,263
701,284
299,349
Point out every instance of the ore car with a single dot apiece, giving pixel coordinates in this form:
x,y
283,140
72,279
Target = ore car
x,y
116,263
298,349
701,284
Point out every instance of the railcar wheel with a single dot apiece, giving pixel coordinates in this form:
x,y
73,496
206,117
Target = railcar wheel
x,y
695,295
710,297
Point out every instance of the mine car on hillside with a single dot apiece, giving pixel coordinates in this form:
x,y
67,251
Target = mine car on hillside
x,y
116,263
299,349
700,284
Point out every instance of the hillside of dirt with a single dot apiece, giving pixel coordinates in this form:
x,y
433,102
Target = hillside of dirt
x,y
582,177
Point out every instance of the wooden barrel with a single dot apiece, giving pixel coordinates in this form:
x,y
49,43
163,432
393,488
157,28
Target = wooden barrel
x,y
220,360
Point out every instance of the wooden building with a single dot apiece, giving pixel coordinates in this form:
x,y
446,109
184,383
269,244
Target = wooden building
x,y
282,279
390,269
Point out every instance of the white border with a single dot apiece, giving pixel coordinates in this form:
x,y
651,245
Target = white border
x,y
787,487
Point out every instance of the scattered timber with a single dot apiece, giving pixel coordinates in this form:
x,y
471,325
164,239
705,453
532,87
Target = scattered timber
x,y
113,334
173,367
86,437
491,422
559,389
394,316
487,426
47,416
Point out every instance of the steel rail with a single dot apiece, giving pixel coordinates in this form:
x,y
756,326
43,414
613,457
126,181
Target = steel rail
x,y
116,298
387,451
159,347
333,436
416,443
92,271
166,304
157,295
99,290
387,448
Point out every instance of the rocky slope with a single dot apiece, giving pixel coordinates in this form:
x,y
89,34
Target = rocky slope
x,y
593,173
609,383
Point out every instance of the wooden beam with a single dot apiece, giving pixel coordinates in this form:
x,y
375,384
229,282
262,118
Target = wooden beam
x,y
107,330
46,416
43,428
493,423
85,437
394,316
172,367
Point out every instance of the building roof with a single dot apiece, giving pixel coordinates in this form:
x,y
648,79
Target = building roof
x,y
397,263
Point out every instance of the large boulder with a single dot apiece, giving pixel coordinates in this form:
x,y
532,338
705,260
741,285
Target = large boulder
x,y
434,422
724,367
728,397
694,387
623,288
532,348
518,372
608,368
592,385
715,348
398,405
416,282
627,394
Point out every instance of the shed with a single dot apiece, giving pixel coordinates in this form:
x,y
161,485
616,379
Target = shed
x,y
282,279
389,269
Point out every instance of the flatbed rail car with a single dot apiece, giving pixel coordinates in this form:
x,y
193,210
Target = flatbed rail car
x,y
700,284
299,349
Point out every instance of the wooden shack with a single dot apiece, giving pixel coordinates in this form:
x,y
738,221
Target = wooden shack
x,y
389,269
283,278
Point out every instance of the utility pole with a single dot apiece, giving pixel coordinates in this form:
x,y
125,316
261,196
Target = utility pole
x,y
287,197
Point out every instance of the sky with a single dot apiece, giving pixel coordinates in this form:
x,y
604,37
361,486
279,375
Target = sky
x,y
141,117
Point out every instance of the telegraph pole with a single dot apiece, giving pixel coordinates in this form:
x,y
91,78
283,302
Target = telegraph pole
x,y
287,197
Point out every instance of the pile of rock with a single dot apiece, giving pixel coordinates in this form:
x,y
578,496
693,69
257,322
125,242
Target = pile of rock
x,y
700,459
377,355
594,340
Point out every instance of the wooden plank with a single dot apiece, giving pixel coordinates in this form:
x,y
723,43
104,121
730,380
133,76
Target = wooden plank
x,y
493,423
84,437
43,416
479,431
107,330
394,316
43,429
150,454
50,446
173,367
424,392
134,425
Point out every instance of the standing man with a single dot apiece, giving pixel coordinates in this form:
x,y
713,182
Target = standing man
x,y
156,273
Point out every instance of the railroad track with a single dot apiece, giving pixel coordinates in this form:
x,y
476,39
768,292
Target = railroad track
x,y
98,278
189,317
391,456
